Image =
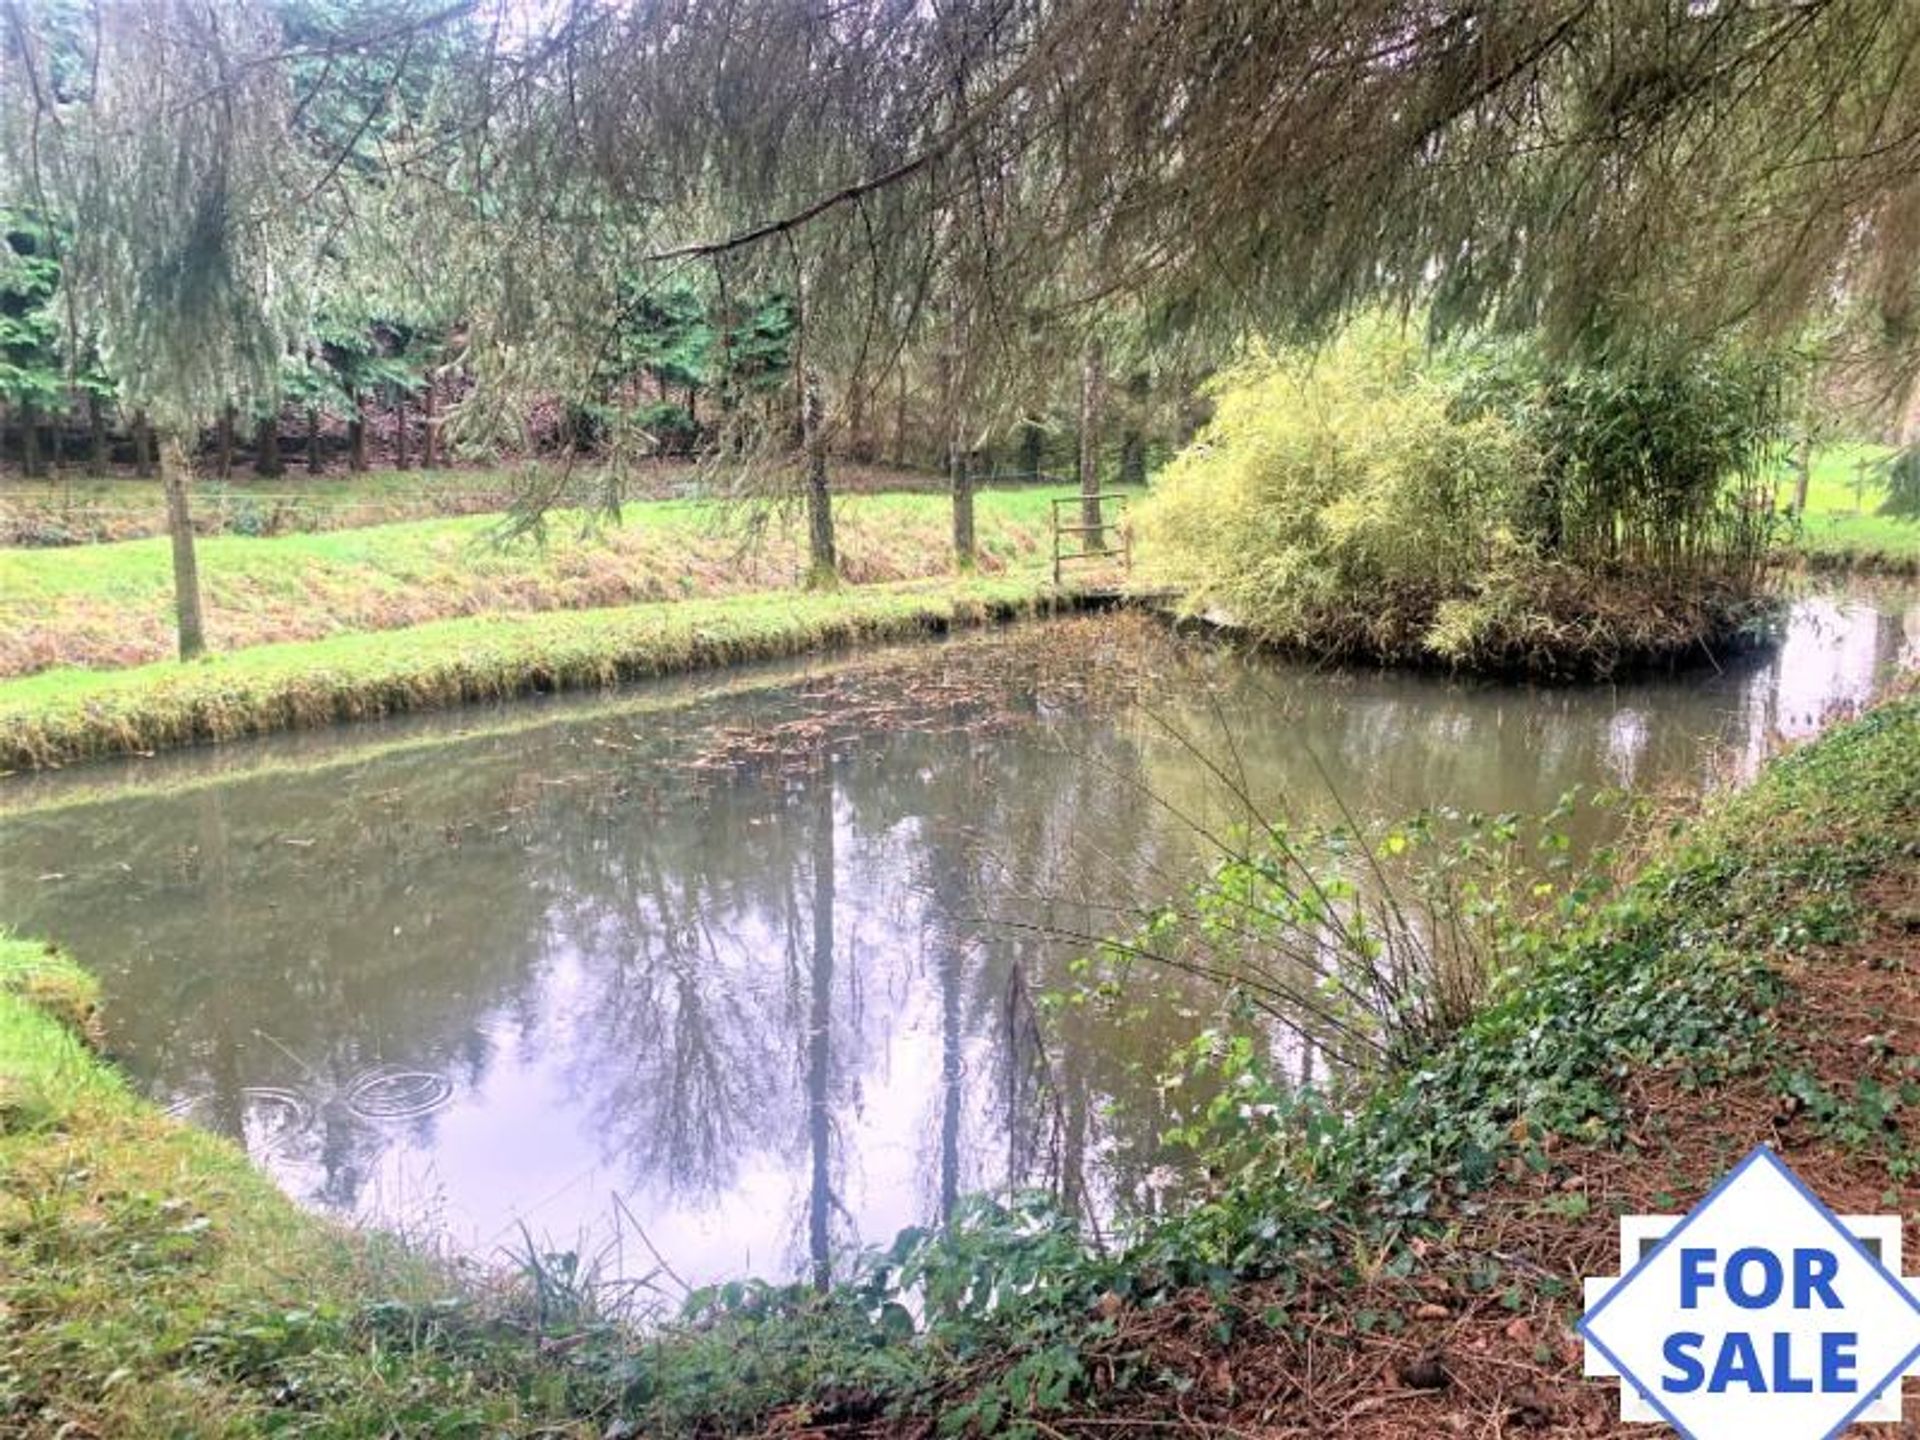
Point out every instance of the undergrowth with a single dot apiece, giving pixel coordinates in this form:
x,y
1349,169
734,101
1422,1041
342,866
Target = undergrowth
x,y
1494,511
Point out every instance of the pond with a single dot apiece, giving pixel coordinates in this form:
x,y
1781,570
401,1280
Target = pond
x,y
724,976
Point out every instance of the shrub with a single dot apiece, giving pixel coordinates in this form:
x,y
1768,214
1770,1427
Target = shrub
x,y
1657,460
1488,509
1337,496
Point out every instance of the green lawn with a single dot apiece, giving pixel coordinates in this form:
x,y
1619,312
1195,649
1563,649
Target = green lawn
x,y
1843,523
78,509
111,605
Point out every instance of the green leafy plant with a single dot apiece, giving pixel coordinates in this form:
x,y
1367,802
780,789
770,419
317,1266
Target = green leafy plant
x,y
1488,509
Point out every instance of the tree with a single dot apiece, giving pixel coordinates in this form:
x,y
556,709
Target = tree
x,y
822,566
1092,386
173,172
32,379
1598,170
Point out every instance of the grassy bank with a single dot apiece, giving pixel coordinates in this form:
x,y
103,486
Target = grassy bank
x,y
1843,528
1379,1269
152,1283
61,716
102,606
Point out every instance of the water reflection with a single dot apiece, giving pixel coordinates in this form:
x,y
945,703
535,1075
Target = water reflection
x,y
746,962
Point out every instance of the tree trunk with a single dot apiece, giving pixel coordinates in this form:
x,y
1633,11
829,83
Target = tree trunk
x,y
186,568
960,476
900,420
822,569
1032,448
400,457
56,433
1802,476
356,435
30,440
97,435
860,440
316,462
432,440
959,462
1091,384
226,442
142,446
266,447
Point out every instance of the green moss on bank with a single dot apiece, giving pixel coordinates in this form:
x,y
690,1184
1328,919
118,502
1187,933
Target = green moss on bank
x,y
62,716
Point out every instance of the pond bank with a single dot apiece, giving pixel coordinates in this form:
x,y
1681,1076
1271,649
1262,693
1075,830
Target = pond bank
x,y
59,717
1725,984
152,1282
1898,562
1549,623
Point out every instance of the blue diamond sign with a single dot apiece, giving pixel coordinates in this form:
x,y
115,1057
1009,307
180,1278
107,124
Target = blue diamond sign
x,y
1759,1315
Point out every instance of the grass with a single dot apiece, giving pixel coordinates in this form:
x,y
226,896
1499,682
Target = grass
x,y
102,606
75,509
61,716
1843,528
153,1283
81,510
1364,1239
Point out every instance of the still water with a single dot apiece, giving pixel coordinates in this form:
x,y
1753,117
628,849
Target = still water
x,y
739,971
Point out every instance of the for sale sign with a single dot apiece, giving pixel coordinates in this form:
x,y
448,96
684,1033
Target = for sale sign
x,y
1760,1315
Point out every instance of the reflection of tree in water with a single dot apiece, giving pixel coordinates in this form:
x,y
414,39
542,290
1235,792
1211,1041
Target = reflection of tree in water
x,y
1041,834
714,963
820,1197
675,923
710,945
343,924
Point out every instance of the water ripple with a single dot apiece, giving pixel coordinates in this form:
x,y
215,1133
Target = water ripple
x,y
384,1094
